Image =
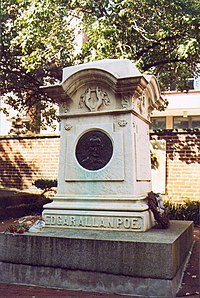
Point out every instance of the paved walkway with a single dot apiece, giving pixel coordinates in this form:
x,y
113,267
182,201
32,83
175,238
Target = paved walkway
x,y
7,290
191,278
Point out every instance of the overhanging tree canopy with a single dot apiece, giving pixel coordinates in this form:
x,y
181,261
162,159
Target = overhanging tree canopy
x,y
38,40
160,36
33,36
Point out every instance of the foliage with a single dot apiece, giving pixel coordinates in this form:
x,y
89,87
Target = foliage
x,y
188,210
160,36
45,184
38,38
19,228
33,36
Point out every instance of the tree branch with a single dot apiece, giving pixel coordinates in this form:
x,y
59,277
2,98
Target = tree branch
x,y
159,42
21,71
162,62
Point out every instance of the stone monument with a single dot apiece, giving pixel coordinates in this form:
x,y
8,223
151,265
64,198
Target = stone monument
x,y
105,169
91,240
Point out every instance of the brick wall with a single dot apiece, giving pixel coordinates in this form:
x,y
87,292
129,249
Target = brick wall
x,y
25,159
182,163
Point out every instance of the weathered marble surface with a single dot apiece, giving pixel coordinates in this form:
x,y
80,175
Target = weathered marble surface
x,y
112,97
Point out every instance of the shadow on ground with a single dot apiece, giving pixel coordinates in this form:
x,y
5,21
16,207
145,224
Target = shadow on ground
x,y
15,204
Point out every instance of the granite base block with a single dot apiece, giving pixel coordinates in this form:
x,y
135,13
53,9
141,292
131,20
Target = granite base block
x,y
89,281
145,264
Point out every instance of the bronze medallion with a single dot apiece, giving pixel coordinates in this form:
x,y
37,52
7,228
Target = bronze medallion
x,y
94,150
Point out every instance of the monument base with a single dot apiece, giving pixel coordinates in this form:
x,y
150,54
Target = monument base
x,y
99,220
146,264
112,214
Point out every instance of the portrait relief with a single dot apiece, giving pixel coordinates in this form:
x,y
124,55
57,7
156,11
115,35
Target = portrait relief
x,y
94,150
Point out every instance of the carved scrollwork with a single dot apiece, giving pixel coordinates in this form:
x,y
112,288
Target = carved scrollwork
x,y
93,99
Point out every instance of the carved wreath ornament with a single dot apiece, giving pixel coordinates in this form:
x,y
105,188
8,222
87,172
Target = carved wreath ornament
x,y
93,99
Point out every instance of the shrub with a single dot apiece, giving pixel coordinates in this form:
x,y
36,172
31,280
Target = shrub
x,y
45,184
188,210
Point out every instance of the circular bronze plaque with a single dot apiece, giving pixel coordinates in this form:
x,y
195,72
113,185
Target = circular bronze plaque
x,y
94,150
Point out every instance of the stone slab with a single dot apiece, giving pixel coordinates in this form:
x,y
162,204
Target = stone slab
x,y
89,281
155,254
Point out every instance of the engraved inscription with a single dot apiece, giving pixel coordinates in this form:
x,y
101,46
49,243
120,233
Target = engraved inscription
x,y
94,150
93,99
95,222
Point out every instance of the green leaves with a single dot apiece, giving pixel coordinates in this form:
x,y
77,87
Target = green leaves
x,y
39,37
41,30
157,35
37,42
186,210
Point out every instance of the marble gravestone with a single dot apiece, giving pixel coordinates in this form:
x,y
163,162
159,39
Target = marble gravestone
x,y
104,168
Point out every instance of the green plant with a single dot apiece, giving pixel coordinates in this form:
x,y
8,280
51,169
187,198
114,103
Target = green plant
x,y
45,184
160,37
186,210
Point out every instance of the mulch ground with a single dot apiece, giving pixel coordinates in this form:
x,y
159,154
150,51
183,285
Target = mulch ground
x,y
190,284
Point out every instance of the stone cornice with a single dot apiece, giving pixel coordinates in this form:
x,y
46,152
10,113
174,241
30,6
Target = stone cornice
x,y
112,91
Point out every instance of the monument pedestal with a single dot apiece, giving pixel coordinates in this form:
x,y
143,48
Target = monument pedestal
x,y
119,214
105,167
146,264
100,220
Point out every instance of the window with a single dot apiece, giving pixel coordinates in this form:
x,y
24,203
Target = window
x,y
158,123
191,84
181,122
195,121
187,122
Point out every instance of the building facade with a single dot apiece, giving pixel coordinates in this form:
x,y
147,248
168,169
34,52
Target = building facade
x,y
183,111
175,138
